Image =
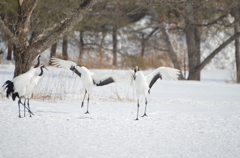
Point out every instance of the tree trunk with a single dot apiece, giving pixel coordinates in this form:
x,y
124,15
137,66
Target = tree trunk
x,y
53,52
114,38
171,52
193,45
193,38
237,45
81,47
23,61
65,48
10,50
237,56
100,51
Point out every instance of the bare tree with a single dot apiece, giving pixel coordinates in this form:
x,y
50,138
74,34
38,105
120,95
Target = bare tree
x,y
24,51
166,38
115,16
191,17
144,40
236,14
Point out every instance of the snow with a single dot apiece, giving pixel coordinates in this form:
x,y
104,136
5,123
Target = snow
x,y
186,119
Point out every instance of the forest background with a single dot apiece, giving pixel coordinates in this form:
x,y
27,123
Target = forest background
x,y
186,34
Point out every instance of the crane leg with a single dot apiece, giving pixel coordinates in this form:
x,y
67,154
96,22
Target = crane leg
x,y
87,105
24,107
19,102
29,108
145,108
84,98
137,108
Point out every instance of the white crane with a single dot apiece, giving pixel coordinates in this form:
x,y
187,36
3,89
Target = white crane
x,y
17,87
143,83
31,87
89,79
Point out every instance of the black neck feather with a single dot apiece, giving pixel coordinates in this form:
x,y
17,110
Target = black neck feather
x,y
38,63
41,73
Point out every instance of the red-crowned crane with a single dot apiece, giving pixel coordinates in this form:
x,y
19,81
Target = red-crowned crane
x,y
143,83
17,87
89,79
31,87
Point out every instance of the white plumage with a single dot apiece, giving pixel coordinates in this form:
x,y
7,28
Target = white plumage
x,y
33,83
143,83
166,73
21,81
18,86
31,87
89,79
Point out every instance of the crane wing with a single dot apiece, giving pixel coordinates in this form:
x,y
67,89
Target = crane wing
x,y
129,77
164,73
62,63
21,81
101,80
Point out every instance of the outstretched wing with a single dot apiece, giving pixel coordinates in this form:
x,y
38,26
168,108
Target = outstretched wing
x,y
129,77
62,63
164,73
101,80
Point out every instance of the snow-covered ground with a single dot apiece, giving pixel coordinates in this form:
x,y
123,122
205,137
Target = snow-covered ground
x,y
186,119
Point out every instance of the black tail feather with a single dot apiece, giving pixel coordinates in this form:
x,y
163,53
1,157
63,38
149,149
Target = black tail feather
x,y
10,89
14,95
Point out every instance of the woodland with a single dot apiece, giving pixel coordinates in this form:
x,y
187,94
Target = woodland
x,y
121,33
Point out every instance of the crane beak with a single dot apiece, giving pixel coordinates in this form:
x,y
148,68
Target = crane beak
x,y
45,68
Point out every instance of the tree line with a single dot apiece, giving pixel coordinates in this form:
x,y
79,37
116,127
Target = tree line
x,y
116,27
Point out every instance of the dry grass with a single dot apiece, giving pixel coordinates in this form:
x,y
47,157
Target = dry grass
x,y
125,96
57,87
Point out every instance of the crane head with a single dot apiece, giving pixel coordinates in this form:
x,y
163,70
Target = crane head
x,y
73,68
136,69
38,55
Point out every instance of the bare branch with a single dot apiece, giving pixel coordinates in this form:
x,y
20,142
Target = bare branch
x,y
66,26
145,3
8,33
27,22
213,22
151,33
216,51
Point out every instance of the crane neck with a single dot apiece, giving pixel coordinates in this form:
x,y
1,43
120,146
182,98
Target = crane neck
x,y
41,73
38,63
77,72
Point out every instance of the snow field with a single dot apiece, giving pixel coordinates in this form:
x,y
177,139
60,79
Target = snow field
x,y
186,119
